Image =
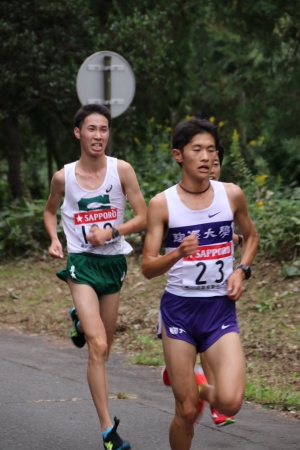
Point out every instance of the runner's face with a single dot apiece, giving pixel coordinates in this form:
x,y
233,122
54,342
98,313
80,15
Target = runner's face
x,y
93,135
216,170
198,156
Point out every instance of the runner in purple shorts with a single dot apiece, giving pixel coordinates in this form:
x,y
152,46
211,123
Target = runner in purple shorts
x,y
195,219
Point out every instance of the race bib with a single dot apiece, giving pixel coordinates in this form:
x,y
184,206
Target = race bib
x,y
210,268
101,218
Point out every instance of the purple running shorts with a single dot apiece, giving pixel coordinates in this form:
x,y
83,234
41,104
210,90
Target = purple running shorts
x,y
200,321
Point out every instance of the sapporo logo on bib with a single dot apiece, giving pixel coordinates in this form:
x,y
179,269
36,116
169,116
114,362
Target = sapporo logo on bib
x,y
95,211
209,268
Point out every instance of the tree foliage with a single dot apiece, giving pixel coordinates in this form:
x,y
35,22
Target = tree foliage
x,y
236,61
40,52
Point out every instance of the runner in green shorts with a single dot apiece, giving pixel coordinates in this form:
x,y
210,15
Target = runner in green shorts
x,y
94,190
104,273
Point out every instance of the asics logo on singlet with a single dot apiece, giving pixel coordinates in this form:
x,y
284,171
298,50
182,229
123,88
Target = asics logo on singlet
x,y
109,188
175,330
212,215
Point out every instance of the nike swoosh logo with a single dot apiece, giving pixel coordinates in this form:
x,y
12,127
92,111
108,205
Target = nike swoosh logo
x,y
224,326
212,215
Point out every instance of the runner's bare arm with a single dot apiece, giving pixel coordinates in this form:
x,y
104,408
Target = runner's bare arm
x,y
99,236
154,264
237,239
250,238
50,218
136,200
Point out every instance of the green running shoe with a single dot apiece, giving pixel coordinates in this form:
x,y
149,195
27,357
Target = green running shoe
x,y
78,338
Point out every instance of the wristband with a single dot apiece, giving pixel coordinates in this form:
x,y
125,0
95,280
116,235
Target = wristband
x,y
115,233
245,269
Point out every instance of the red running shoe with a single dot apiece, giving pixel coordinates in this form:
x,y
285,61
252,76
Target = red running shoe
x,y
220,419
165,376
201,379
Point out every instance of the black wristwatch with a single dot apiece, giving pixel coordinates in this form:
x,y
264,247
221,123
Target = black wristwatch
x,y
246,270
115,233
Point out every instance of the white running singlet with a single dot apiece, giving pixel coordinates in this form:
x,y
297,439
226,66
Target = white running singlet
x,y
206,273
102,207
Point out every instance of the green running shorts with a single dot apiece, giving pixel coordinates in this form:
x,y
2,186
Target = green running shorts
x,y
104,273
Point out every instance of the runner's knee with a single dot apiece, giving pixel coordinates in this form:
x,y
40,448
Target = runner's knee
x,y
230,406
187,411
98,349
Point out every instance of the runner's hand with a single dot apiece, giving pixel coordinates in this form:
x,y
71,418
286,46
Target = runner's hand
x,y
235,285
98,236
55,249
189,245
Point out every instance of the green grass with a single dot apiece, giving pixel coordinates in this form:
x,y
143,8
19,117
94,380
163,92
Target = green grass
x,y
148,351
272,397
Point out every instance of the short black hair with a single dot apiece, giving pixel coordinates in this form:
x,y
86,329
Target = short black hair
x,y
185,131
221,154
87,110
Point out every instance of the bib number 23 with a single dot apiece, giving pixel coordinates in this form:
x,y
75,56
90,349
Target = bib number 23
x,y
204,273
200,278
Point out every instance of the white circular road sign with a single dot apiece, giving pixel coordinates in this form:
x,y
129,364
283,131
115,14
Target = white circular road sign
x,y
106,78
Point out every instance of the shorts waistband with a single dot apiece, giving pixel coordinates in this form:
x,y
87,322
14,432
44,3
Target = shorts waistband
x,y
94,255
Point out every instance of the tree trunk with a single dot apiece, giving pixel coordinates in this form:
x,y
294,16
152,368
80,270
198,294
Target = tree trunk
x,y
14,157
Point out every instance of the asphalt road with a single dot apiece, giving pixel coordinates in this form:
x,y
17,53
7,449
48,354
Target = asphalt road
x,y
45,404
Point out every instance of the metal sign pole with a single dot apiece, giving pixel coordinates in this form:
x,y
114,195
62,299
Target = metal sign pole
x,y
107,96
107,82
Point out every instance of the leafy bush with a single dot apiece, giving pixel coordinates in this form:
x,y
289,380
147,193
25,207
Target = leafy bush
x,y
273,208
276,219
22,230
